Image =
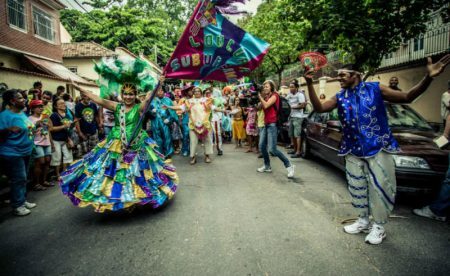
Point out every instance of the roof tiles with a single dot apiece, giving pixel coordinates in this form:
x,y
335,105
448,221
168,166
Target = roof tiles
x,y
85,50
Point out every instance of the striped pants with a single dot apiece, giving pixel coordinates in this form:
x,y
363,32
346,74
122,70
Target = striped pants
x,y
217,132
372,185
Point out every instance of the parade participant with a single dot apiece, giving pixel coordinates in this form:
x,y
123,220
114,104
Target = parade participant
x,y
108,118
367,141
260,124
60,91
445,104
268,138
226,119
47,100
199,110
121,171
89,123
187,94
161,122
216,119
43,145
60,125
251,128
176,126
237,123
16,146
37,86
393,84
297,101
439,207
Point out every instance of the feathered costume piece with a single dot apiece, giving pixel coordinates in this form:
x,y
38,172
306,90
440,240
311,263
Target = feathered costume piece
x,y
114,72
114,176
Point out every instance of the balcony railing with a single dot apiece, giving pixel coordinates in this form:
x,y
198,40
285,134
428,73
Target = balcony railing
x,y
435,41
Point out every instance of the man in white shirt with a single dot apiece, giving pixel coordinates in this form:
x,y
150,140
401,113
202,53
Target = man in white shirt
x,y
445,104
297,101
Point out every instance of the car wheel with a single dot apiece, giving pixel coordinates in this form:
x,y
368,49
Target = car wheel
x,y
305,148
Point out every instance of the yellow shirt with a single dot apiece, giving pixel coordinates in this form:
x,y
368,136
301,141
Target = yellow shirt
x,y
260,116
48,109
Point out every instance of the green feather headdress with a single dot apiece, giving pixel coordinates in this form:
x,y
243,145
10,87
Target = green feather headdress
x,y
116,71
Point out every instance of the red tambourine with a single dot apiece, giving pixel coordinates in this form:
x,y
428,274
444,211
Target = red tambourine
x,y
313,60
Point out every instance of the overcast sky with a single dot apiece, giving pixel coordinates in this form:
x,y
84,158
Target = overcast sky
x,y
252,5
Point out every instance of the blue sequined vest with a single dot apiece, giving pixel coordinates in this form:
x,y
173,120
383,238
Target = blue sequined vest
x,y
364,121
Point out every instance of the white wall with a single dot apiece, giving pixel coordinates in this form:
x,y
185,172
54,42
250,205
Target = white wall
x,y
85,67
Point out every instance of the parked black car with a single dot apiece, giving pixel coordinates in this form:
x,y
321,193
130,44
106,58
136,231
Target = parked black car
x,y
420,166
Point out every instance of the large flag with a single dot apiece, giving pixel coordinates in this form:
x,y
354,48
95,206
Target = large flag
x,y
213,48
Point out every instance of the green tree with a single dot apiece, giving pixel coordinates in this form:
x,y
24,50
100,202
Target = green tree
x,y
121,26
367,29
139,25
283,34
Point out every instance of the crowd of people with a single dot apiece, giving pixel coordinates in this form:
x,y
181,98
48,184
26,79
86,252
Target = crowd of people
x,y
60,130
44,128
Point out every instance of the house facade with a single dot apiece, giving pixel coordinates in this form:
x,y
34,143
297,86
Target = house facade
x,y
30,45
79,57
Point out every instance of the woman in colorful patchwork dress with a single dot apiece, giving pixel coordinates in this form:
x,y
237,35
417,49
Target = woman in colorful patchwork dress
x,y
121,172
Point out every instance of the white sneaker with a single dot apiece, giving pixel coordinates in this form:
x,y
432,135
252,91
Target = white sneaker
x,y
29,205
360,225
376,235
264,169
291,170
21,211
426,212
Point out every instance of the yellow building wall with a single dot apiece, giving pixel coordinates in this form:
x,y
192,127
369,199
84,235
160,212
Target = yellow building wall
x,y
85,67
427,105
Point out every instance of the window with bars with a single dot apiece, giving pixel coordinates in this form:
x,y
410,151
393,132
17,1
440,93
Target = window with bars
x,y
43,24
16,13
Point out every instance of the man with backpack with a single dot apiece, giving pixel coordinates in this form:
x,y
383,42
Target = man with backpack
x,y
270,101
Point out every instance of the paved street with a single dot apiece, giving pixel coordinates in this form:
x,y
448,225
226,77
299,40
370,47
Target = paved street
x,y
226,219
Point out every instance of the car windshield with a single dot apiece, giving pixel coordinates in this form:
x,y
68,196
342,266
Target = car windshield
x,y
402,116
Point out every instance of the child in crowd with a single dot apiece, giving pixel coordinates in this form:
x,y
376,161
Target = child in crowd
x,y
42,146
251,128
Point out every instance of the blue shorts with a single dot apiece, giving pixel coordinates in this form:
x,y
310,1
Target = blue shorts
x,y
42,151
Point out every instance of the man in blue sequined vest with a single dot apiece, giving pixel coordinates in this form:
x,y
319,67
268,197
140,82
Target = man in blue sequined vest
x,y
367,142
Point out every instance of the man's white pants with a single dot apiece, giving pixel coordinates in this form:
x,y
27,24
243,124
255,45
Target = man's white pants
x,y
194,142
372,185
